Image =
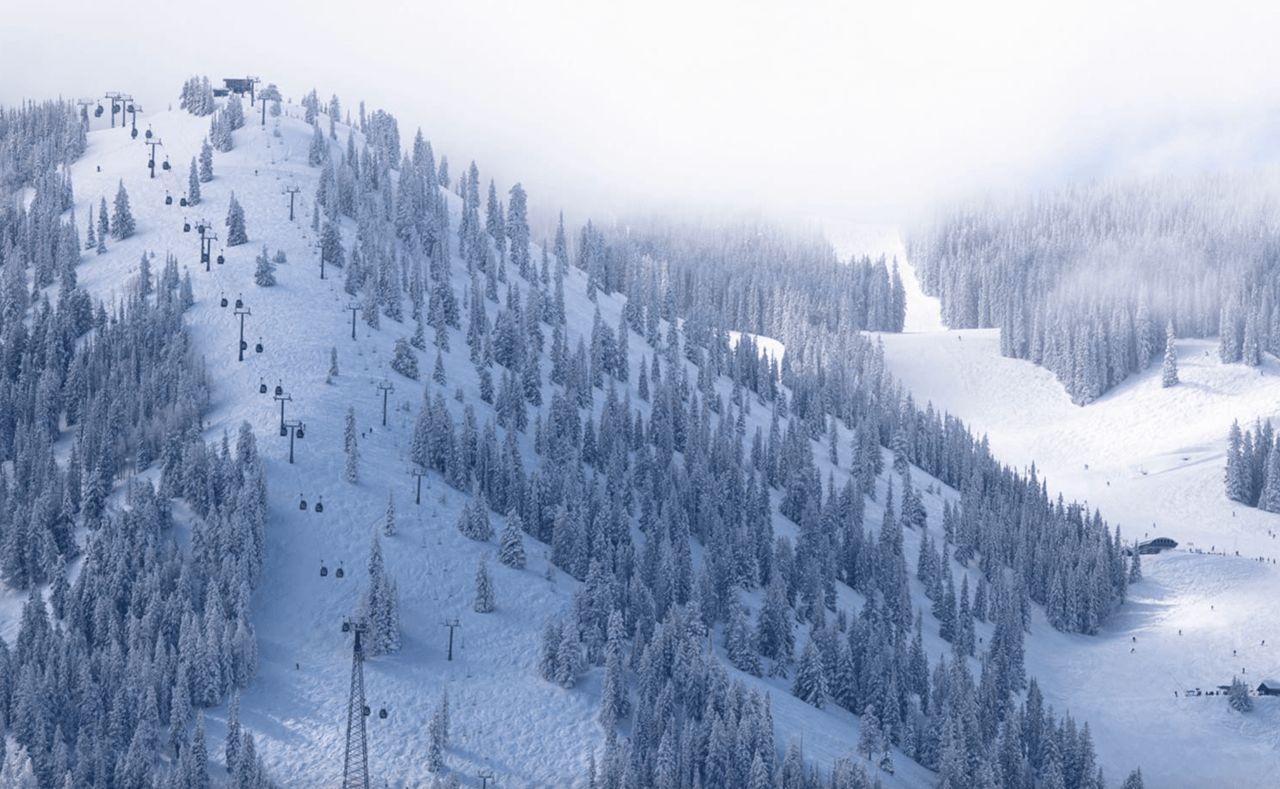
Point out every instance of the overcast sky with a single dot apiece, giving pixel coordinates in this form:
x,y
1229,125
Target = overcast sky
x,y
851,109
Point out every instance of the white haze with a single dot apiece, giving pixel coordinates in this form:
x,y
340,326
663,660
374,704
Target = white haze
x,y
823,109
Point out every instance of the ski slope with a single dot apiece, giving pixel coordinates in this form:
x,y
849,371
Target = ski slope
x,y
1152,460
1149,458
505,720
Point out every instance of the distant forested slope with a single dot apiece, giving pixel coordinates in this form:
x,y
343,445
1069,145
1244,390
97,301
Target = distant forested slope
x,y
1086,281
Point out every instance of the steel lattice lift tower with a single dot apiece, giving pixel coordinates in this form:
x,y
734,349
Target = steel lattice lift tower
x,y
355,765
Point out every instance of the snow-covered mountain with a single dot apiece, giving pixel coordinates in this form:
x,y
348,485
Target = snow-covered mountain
x,y
1141,454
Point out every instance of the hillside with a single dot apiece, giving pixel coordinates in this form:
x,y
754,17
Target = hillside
x,y
1152,459
715,484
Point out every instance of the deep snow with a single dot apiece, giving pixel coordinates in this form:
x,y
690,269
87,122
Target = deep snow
x,y
1161,451
1152,460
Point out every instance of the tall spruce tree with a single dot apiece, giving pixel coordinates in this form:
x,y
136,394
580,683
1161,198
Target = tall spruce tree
x,y
1169,370
122,224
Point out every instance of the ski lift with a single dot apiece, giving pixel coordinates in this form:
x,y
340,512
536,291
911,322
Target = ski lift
x,y
367,711
222,260
338,572
186,227
301,433
262,387
346,627
244,346
168,199
239,301
182,201
319,507
130,108
115,108
382,713
284,432
302,505
258,348
98,112
279,390
148,135
324,571
151,163
224,301
165,166
134,134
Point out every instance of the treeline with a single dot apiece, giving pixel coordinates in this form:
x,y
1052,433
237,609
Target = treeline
x,y
1252,474
1084,280
37,139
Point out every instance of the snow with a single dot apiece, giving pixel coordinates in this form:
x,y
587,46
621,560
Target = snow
x,y
1141,454
1152,460
505,718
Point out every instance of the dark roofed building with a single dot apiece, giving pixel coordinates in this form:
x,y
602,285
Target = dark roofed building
x,y
1269,687
1156,546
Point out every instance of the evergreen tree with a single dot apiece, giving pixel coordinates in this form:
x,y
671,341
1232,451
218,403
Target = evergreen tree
x,y
352,473
264,275
389,525
438,735
235,112
206,161
1269,497
810,684
511,551
1237,472
235,738
871,738
193,184
236,234
1238,696
1133,781
405,361
484,587
1169,371
122,224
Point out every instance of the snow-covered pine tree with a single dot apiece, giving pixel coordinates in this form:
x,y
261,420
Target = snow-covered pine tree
x,y
871,739
264,275
1169,370
235,737
484,587
438,736
405,361
511,550
319,150
352,472
206,161
236,234
389,525
1237,471
1238,696
122,223
193,184
810,684
235,112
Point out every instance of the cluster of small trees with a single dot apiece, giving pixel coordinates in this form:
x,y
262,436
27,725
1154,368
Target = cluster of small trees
x,y
197,97
1253,466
